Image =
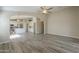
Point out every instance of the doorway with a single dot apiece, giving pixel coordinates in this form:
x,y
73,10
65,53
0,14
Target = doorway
x,y
26,27
42,27
34,28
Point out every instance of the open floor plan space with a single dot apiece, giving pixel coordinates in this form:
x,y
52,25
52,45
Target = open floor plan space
x,y
39,29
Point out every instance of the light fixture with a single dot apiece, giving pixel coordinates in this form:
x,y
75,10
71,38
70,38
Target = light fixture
x,y
18,20
44,11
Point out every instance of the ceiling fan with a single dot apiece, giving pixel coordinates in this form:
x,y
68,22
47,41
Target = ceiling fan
x,y
46,9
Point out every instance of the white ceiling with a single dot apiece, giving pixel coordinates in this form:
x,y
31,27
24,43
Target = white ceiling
x,y
29,8
21,8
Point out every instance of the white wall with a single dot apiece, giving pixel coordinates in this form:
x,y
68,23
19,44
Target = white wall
x,y
4,28
64,22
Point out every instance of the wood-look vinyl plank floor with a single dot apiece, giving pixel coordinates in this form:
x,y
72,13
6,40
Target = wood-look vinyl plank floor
x,y
39,43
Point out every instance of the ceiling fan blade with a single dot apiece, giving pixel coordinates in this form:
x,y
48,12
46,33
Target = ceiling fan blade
x,y
44,7
50,8
49,12
41,7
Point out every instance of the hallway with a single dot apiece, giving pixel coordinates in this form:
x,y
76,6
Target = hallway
x,y
39,43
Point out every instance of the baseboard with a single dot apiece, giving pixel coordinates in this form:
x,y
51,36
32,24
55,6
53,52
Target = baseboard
x,y
65,36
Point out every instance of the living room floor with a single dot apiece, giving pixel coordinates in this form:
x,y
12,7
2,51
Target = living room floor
x,y
39,43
